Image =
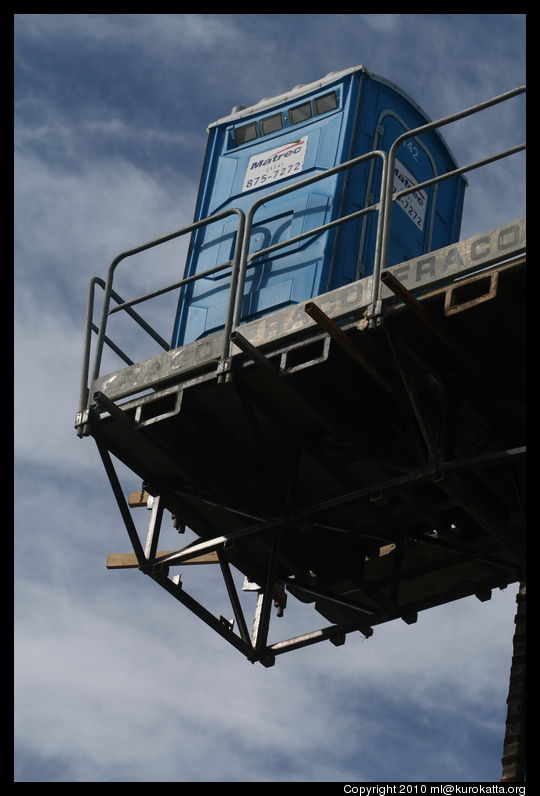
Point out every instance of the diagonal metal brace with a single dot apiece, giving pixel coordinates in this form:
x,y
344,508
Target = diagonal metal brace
x,y
345,342
426,318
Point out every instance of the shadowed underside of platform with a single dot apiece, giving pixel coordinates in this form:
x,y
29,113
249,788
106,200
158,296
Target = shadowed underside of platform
x,y
374,468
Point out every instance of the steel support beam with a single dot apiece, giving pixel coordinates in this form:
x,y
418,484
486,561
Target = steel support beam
x,y
313,637
427,474
345,342
200,611
154,528
408,401
122,504
320,594
233,596
261,634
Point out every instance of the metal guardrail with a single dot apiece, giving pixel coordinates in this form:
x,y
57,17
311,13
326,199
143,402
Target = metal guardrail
x,y
126,305
246,258
242,260
386,212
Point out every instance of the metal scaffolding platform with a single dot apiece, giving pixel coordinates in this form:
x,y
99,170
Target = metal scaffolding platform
x,y
368,459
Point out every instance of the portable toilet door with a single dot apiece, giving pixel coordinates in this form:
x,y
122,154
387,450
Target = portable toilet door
x,y
250,154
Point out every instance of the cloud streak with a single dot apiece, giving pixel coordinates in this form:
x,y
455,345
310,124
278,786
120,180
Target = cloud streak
x,y
124,679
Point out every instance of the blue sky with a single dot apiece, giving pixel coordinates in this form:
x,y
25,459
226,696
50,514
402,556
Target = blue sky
x,y
114,680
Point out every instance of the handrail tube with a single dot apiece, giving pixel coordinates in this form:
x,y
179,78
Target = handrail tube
x,y
456,172
387,192
91,327
84,391
141,322
226,348
382,202
275,195
167,289
117,350
314,231
144,247
134,315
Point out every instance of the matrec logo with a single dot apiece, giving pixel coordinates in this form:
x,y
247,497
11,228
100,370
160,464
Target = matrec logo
x,y
275,164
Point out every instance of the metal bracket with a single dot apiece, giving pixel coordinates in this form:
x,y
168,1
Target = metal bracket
x,y
82,420
224,366
372,316
468,289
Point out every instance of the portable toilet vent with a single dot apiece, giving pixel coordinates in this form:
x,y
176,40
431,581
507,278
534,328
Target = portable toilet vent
x,y
279,142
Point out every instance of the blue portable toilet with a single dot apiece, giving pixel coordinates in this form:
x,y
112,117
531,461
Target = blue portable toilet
x,y
283,140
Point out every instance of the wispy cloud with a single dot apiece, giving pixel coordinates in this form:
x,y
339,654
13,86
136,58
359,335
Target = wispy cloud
x,y
138,31
110,678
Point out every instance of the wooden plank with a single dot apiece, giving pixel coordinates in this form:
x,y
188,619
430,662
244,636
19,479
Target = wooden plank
x,y
129,560
138,499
